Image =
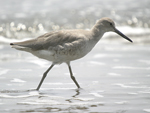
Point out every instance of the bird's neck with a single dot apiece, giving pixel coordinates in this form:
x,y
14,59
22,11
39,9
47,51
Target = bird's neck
x,y
97,32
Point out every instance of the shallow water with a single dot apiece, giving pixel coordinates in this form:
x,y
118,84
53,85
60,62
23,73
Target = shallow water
x,y
114,79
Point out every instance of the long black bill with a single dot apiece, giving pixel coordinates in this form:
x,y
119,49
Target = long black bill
x,y
121,34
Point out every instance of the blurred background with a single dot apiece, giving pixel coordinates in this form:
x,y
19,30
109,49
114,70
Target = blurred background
x,y
31,18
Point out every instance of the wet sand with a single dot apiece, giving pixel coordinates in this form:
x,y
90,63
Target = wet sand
x,y
114,79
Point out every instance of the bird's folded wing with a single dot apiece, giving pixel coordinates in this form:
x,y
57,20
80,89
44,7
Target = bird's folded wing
x,y
48,40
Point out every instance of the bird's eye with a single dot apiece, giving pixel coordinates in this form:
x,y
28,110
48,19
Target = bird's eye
x,y
111,24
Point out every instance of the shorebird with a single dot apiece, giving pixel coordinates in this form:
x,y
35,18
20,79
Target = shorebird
x,y
65,46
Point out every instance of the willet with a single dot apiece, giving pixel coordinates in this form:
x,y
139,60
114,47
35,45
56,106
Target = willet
x,y
65,46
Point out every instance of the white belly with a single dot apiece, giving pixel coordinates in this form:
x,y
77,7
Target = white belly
x,y
59,57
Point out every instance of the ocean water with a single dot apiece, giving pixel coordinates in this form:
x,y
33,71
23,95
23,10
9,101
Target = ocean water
x,y
114,77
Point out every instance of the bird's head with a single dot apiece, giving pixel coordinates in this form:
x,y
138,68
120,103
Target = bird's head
x,y
106,25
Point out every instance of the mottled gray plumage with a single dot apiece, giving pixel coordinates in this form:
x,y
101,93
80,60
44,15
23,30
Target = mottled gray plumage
x,y
67,45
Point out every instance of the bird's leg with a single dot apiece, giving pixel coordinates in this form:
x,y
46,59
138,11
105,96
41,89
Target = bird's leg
x,y
72,77
44,75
